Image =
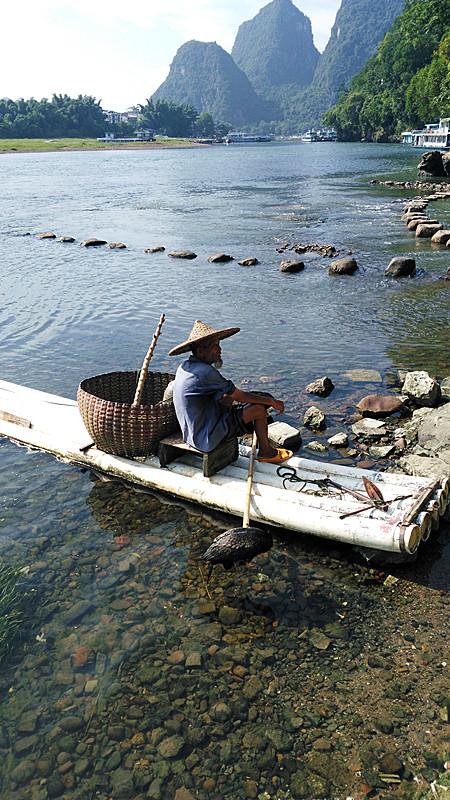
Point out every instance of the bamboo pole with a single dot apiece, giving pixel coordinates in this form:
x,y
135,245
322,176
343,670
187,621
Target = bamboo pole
x,y
146,362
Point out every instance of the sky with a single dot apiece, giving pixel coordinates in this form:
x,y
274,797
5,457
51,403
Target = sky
x,y
119,51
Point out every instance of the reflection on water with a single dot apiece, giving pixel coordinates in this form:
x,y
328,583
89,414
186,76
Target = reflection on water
x,y
300,676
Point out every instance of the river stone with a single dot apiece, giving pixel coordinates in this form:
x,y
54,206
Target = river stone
x,y
248,262
66,239
433,431
380,451
422,388
221,712
71,724
412,224
445,388
373,428
379,405
183,793
363,375
426,231
252,687
77,611
81,656
23,772
55,786
46,235
321,387
281,741
159,249
441,237
283,435
25,744
28,722
193,660
338,440
400,267
93,242
170,747
229,615
115,732
318,639
317,447
390,764
220,258
314,418
343,266
182,254
122,784
117,246
291,266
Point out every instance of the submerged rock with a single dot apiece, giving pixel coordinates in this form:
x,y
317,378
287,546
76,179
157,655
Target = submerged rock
x,y
321,387
371,428
92,242
426,231
46,235
248,262
291,266
400,267
343,266
220,258
379,405
314,418
182,254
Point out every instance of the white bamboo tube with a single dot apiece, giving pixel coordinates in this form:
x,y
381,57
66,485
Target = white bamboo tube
x,y
337,472
423,519
340,503
270,506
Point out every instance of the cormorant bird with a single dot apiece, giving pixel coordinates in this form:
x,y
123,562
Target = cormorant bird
x,y
236,546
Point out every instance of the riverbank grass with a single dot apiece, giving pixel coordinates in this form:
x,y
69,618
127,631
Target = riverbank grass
x,y
13,601
55,145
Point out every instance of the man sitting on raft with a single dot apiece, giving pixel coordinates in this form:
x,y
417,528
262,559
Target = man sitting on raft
x,y
205,401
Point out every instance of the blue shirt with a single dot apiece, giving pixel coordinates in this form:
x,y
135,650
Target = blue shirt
x,y
197,389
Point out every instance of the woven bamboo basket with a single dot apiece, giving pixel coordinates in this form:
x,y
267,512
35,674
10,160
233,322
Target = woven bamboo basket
x,y
105,404
124,412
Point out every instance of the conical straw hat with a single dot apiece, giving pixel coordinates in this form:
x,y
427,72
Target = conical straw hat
x,y
201,332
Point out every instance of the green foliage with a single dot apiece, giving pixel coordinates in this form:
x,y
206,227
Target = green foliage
x,y
13,601
167,118
61,116
406,83
359,28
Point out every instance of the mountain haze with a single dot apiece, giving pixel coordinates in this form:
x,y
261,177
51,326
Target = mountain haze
x,y
205,76
276,47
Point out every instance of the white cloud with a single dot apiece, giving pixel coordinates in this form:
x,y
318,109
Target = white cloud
x,y
116,50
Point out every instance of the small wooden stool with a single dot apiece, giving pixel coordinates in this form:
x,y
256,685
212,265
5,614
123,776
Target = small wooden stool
x,y
172,447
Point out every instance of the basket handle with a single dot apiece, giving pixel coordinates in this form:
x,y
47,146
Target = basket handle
x,y
146,362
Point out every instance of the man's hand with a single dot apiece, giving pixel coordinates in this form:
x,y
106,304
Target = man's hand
x,y
278,405
262,399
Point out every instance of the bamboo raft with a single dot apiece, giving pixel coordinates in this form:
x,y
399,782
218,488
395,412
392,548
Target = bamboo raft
x,y
321,501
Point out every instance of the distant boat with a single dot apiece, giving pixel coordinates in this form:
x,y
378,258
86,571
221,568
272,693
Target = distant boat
x,y
238,137
434,136
320,135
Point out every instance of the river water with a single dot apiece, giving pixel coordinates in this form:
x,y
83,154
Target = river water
x,y
307,676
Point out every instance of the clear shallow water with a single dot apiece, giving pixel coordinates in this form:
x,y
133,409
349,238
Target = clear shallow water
x,y
67,313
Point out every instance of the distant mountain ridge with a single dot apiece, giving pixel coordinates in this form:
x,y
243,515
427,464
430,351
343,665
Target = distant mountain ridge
x,y
276,47
359,27
275,75
205,76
